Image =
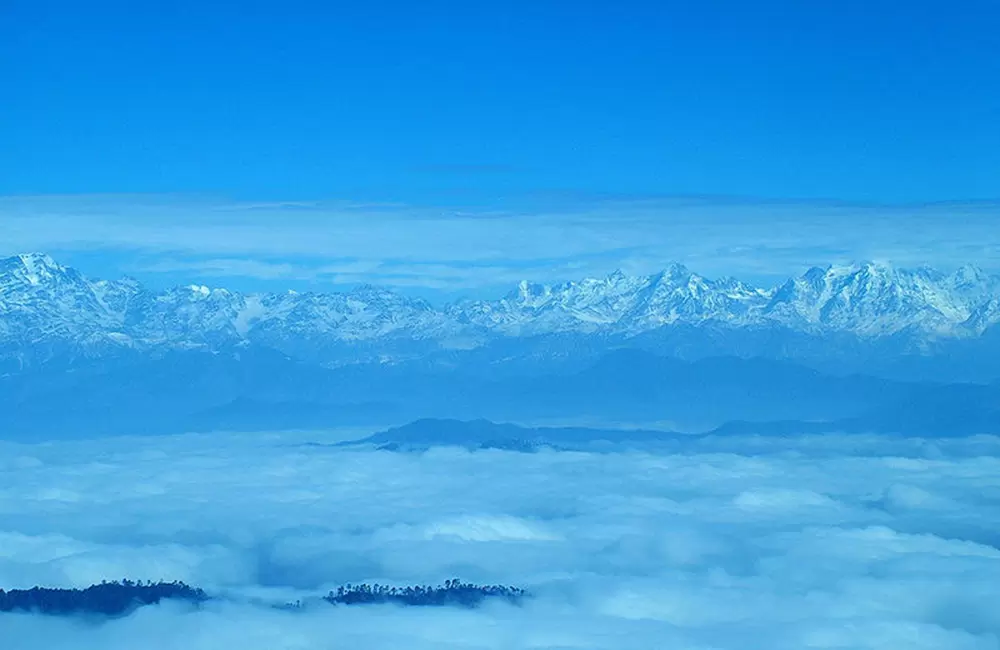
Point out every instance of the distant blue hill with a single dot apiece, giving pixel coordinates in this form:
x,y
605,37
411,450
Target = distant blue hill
x,y
259,389
428,433
484,434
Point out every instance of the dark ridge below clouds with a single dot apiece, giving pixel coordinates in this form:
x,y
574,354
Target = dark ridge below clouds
x,y
120,598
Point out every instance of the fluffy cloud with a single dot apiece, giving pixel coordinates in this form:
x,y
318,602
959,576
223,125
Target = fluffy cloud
x,y
825,542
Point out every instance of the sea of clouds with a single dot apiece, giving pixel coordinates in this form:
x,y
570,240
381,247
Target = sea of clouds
x,y
813,542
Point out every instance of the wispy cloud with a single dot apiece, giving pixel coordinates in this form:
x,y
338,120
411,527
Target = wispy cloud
x,y
468,249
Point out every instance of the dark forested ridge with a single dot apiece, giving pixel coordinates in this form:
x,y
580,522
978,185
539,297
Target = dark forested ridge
x,y
107,598
453,592
121,598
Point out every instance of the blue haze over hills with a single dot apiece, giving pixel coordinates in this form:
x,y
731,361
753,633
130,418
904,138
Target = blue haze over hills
x,y
850,348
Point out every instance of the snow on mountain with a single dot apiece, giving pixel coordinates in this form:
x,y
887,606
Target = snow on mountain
x,y
41,300
365,313
984,316
878,300
191,316
869,300
46,305
372,322
618,303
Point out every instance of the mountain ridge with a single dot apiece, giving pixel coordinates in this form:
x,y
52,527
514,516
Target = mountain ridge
x,y
483,434
48,310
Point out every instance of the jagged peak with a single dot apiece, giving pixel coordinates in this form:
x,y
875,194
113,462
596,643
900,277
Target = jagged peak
x,y
367,288
859,271
31,262
673,270
676,269
846,296
970,274
374,293
37,269
617,277
527,290
860,267
676,274
38,259
129,281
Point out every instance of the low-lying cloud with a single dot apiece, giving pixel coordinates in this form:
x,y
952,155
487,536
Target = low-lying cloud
x,y
452,249
826,542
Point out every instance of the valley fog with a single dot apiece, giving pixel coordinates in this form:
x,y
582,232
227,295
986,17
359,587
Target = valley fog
x,y
832,541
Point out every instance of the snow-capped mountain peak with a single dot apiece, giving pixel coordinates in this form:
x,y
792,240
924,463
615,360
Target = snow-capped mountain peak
x,y
31,268
877,299
45,304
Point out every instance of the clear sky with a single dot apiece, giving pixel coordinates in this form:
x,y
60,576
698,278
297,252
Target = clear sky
x,y
501,105
859,100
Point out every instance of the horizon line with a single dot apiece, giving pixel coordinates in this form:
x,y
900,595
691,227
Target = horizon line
x,y
851,267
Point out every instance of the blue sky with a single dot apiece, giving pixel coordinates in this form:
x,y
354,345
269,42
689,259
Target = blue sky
x,y
513,108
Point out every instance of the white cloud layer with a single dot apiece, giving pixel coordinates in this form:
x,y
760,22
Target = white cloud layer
x,y
453,249
826,542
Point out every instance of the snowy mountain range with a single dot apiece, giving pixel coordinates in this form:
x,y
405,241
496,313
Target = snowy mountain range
x,y
50,311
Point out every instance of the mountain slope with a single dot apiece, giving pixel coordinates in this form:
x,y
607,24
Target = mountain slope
x,y
50,312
